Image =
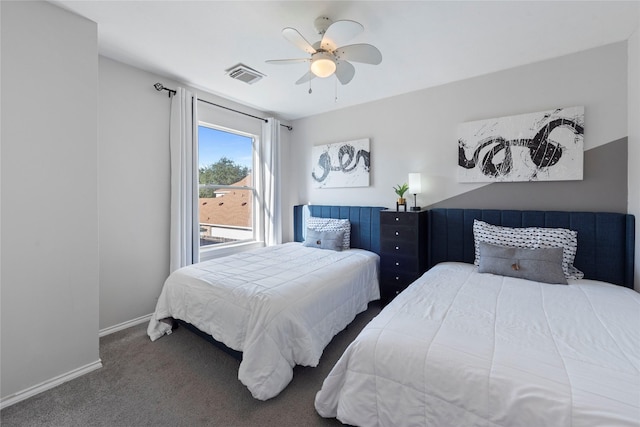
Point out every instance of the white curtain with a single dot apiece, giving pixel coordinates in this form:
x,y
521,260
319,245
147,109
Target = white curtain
x,y
183,141
271,226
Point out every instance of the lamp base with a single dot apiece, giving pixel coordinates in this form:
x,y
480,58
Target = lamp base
x,y
415,208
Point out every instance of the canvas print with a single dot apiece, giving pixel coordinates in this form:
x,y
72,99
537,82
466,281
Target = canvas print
x,y
343,164
542,146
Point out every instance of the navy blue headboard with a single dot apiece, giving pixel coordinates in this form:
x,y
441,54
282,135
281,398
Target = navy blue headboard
x,y
606,241
365,223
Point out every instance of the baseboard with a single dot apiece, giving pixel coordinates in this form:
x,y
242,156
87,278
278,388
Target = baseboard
x,y
124,325
49,384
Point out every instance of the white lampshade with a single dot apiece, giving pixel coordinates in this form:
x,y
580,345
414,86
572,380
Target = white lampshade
x,y
323,64
415,183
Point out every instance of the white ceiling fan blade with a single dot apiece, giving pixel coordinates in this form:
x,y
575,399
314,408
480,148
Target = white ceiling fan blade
x,y
296,38
362,52
287,61
344,71
339,33
307,77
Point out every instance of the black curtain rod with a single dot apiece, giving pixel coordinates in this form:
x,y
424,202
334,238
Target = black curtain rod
x,y
159,87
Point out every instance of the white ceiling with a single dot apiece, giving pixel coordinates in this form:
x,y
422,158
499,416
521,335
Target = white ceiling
x,y
423,43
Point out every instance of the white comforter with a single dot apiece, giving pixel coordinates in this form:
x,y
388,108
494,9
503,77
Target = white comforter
x,y
460,348
279,305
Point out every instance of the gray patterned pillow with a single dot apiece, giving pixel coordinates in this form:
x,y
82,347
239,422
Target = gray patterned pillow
x,y
332,224
331,240
540,265
531,238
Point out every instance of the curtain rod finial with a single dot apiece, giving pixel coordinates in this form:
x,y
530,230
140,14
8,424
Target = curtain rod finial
x,y
158,86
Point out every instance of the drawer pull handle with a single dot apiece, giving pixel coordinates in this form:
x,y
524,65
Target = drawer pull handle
x,y
397,248
397,219
397,278
397,234
397,263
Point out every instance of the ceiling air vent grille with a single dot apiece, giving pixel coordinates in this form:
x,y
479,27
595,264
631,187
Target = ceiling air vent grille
x,y
245,74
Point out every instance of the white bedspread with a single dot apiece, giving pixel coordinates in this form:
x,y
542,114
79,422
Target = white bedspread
x,y
279,305
460,348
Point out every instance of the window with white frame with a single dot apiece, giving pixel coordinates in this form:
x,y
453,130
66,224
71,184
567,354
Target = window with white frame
x,y
227,198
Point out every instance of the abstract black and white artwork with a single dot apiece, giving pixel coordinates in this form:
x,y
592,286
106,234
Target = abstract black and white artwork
x,y
342,164
542,146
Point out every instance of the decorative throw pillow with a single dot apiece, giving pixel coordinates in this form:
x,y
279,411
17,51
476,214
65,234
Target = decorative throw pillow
x,y
531,238
324,239
540,265
332,224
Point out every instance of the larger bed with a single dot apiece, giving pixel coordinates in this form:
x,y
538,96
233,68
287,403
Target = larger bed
x,y
280,305
463,348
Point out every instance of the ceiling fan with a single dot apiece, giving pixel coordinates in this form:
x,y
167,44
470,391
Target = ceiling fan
x,y
328,56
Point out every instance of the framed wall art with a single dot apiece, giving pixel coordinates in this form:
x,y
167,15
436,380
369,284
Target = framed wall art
x,y
342,164
542,146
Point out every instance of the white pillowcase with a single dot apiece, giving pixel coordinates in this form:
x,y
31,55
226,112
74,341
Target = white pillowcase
x,y
531,238
332,224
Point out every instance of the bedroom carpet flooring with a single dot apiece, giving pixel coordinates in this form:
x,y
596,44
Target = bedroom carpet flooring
x,y
179,380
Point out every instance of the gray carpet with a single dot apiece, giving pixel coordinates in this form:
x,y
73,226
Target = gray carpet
x,y
179,380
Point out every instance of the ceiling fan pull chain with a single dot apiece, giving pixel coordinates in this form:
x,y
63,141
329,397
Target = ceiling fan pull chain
x,y
310,87
335,81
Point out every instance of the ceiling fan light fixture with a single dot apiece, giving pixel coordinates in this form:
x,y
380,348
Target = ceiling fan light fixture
x,y
323,64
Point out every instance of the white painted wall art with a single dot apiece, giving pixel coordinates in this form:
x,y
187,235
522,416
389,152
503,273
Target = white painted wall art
x,y
342,164
542,146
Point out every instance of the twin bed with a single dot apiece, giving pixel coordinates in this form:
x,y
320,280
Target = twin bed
x,y
280,305
457,347
464,348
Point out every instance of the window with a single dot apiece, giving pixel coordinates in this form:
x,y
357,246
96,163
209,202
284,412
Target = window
x,y
227,195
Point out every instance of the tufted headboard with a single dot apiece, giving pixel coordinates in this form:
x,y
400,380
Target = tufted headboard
x,y
365,223
606,241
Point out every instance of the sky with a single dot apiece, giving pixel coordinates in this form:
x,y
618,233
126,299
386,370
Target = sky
x,y
214,144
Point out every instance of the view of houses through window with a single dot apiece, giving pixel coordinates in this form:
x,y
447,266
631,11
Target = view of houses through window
x,y
226,192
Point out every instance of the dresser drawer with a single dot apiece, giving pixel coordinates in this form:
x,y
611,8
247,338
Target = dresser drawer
x,y
392,285
398,218
397,278
399,247
388,293
399,263
399,233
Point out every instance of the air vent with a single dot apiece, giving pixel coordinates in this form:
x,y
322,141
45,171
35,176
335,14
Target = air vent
x,y
245,74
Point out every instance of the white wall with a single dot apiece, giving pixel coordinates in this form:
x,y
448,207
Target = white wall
x,y
416,132
133,183
634,139
49,289
134,173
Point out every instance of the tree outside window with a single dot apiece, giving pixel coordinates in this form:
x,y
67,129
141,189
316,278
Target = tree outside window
x,y
226,192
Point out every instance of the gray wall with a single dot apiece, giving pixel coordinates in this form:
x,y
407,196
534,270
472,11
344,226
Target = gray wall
x,y
604,188
133,184
49,290
134,173
416,132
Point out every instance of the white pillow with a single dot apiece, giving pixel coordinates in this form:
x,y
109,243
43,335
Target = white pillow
x,y
332,224
531,238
